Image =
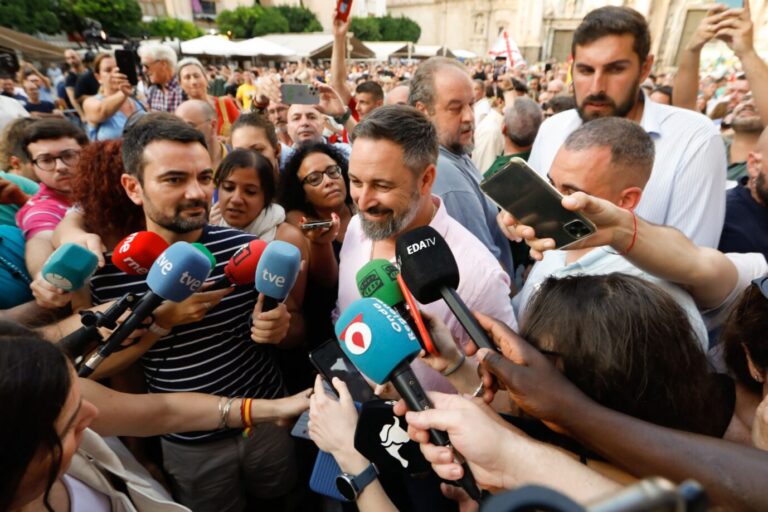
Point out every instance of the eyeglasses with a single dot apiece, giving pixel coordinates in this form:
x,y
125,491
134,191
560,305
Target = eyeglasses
x,y
762,285
47,163
315,178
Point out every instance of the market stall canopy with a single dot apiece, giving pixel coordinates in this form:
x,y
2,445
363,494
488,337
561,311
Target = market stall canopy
x,y
464,54
392,49
421,51
316,45
261,47
30,47
209,45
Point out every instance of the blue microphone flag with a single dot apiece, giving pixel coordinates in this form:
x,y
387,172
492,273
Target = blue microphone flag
x,y
278,269
178,272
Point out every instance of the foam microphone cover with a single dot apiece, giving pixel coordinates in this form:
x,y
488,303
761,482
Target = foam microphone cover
x,y
69,267
208,254
375,338
241,267
378,278
135,254
178,272
426,263
278,269
382,438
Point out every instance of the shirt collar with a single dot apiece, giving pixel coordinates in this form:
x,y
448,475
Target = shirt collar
x,y
653,115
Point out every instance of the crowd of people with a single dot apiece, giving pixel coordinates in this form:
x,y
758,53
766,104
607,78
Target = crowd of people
x,y
638,351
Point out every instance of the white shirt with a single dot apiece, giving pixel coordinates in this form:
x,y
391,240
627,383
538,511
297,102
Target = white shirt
x,y
10,109
687,186
481,109
749,266
489,141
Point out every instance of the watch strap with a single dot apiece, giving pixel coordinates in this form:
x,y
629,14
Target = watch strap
x,y
343,118
359,482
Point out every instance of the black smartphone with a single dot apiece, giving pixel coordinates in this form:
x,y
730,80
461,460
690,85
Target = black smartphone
x,y
330,361
128,65
518,189
316,224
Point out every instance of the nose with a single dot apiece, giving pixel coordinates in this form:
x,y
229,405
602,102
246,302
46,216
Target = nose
x,y
61,166
236,197
364,197
195,190
467,114
598,83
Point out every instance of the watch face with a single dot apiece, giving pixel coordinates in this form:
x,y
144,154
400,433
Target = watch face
x,y
344,485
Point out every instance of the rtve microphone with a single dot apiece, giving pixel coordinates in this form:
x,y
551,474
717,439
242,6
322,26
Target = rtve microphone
x,y
378,279
380,343
135,253
69,267
176,274
429,268
241,267
276,272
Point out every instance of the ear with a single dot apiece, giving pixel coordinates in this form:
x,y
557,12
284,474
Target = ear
x,y
753,161
755,372
427,180
14,163
132,188
422,108
630,197
646,67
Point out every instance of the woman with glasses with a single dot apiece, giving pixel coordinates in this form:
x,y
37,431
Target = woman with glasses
x,y
194,83
108,111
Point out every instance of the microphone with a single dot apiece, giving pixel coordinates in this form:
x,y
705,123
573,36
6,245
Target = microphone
x,y
241,267
208,254
135,253
387,357
176,274
276,272
69,267
378,279
429,268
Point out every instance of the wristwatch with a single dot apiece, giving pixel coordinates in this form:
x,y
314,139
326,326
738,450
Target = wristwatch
x,y
343,118
351,486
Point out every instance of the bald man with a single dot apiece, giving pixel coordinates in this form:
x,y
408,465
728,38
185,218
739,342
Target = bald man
x,y
398,95
202,116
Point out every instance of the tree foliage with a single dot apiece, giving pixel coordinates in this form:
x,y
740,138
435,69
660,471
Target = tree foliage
x,y
172,27
254,21
30,16
300,19
117,17
386,28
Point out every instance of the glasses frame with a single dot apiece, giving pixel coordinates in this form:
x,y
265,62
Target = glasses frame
x,y
60,156
331,169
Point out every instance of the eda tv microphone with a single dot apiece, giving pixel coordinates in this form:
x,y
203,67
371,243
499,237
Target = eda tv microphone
x,y
69,267
378,279
241,267
276,272
429,268
176,274
135,253
381,344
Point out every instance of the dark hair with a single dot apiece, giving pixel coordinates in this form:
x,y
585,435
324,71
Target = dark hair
x,y
107,210
561,103
291,194
406,127
153,127
663,89
12,141
257,120
372,88
612,20
34,384
747,324
627,344
519,86
247,159
51,129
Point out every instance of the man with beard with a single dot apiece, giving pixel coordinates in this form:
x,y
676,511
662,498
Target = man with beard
x,y
391,176
746,214
610,60
442,90
216,342
747,126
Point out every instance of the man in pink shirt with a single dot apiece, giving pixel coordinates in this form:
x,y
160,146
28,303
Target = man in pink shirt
x,y
391,171
53,146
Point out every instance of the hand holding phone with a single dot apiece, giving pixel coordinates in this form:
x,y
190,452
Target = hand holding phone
x,y
300,94
127,63
343,9
316,224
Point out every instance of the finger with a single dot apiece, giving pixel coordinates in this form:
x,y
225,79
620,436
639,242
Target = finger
x,y
502,368
341,388
437,454
439,419
259,305
512,345
400,408
98,248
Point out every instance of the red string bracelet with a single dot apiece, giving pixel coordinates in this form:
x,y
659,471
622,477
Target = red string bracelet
x,y
634,235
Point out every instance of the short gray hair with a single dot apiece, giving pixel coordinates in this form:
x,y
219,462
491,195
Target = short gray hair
x,y
157,51
422,86
631,147
522,120
189,61
406,127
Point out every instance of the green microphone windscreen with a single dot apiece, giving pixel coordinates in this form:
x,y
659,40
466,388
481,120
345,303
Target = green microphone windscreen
x,y
378,279
203,249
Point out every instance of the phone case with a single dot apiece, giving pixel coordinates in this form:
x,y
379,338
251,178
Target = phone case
x,y
299,94
343,9
519,190
323,479
301,427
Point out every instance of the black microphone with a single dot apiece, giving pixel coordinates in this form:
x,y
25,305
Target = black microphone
x,y
429,268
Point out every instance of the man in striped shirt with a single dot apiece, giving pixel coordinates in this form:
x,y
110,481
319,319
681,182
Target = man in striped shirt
x,y
229,352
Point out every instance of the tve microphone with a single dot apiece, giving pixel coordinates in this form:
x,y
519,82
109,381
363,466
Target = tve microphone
x,y
429,269
378,279
379,342
176,274
241,267
69,267
277,271
135,254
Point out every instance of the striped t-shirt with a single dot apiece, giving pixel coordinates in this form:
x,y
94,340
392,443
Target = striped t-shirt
x,y
215,355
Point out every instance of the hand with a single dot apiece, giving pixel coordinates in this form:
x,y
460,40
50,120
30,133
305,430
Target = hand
x,y
507,223
460,496
270,326
736,30
340,27
706,29
449,351
47,295
331,103
324,235
90,241
119,82
286,409
760,425
332,425
10,193
533,383
190,310
215,216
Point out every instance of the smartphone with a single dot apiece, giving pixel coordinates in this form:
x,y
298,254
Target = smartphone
x,y
330,361
732,4
128,64
301,94
316,224
520,190
343,8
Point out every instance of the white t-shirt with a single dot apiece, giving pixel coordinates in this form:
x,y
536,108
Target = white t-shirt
x,y
10,109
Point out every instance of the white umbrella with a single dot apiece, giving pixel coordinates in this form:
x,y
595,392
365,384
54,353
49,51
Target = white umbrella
x,y
258,46
209,45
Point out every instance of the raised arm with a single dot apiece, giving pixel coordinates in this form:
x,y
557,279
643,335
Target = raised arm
x,y
339,59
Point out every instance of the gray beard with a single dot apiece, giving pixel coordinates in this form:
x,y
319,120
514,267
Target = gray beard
x,y
394,225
